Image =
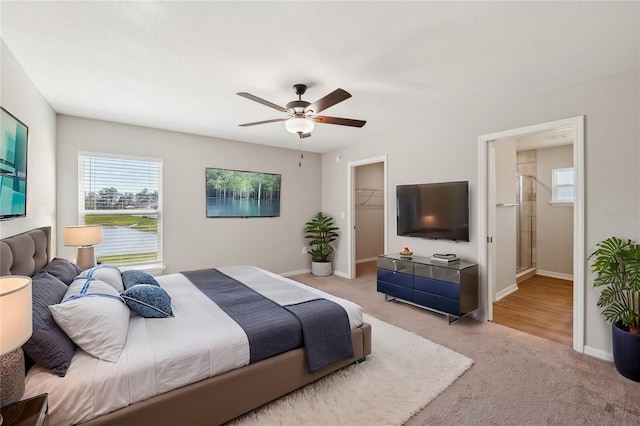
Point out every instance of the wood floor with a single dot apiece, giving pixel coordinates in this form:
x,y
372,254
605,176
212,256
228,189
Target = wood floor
x,y
366,269
542,306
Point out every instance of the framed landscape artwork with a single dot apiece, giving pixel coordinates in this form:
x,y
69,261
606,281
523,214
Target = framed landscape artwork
x,y
13,166
236,193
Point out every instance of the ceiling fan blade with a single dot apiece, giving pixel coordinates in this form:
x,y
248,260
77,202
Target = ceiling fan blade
x,y
263,122
261,101
337,120
330,100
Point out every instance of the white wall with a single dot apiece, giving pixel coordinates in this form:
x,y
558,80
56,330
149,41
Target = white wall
x,y
191,240
506,225
554,224
21,97
369,206
444,147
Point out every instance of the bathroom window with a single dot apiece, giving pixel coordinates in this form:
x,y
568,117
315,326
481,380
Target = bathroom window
x,y
563,187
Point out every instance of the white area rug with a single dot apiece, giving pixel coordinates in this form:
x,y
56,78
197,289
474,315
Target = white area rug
x,y
401,376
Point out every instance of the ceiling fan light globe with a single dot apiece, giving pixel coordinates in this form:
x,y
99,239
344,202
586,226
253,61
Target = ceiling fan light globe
x,y
299,125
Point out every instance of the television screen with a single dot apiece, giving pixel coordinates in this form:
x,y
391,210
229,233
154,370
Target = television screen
x,y
433,210
13,166
235,193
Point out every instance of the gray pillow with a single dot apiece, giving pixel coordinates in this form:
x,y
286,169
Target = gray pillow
x,y
62,269
134,277
48,346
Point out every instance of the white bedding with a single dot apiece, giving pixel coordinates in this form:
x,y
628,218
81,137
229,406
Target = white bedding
x,y
160,354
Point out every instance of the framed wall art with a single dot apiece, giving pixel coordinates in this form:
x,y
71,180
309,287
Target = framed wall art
x,y
236,193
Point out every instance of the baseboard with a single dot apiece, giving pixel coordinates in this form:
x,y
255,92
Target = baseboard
x,y
300,272
507,291
341,274
552,274
308,271
525,275
598,353
368,259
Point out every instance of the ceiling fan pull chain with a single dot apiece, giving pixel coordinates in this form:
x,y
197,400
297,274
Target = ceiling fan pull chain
x,y
301,153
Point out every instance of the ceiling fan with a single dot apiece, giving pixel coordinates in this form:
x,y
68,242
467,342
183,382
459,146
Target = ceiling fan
x,y
302,114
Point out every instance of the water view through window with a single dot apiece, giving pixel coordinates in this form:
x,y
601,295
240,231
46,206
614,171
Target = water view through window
x,y
123,194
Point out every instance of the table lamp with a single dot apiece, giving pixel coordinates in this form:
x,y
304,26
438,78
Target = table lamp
x,y
15,329
84,237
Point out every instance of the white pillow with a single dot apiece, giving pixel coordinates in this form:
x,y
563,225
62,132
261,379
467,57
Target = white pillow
x,y
94,316
107,273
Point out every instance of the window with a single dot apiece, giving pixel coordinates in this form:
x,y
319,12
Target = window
x,y
562,187
124,195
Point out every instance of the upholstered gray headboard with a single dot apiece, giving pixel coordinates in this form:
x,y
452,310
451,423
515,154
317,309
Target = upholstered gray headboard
x,y
26,253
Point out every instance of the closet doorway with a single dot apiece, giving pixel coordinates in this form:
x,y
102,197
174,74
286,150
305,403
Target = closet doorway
x,y
367,214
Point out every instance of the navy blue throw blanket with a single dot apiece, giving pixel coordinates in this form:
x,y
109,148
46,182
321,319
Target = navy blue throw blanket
x,y
326,331
273,329
270,329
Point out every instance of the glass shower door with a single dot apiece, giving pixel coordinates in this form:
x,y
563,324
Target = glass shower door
x,y
524,222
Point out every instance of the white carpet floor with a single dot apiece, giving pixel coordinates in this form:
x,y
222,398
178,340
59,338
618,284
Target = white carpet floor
x,y
401,376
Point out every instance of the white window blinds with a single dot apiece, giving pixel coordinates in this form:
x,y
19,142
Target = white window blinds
x,y
124,195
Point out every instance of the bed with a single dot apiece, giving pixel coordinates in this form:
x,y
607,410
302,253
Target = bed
x,y
212,394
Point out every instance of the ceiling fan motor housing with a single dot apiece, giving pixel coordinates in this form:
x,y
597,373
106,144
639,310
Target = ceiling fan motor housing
x,y
297,107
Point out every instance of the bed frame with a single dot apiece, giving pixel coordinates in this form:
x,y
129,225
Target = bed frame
x,y
215,400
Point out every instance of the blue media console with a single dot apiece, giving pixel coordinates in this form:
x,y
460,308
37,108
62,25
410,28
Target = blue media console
x,y
447,288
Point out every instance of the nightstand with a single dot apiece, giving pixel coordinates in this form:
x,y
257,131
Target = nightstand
x,y
28,412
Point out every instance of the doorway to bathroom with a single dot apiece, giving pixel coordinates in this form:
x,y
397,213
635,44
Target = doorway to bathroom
x,y
534,279
531,243
539,300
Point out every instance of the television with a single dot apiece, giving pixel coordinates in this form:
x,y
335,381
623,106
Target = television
x,y
13,166
438,211
237,193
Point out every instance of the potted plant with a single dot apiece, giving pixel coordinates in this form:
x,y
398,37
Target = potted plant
x,y
322,232
617,268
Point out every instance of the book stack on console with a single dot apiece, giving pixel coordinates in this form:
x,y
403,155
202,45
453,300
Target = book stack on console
x,y
444,258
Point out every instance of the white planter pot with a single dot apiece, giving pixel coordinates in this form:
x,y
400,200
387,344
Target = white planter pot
x,y
321,269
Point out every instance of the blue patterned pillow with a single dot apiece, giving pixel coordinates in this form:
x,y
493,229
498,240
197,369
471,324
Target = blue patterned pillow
x,y
148,300
135,277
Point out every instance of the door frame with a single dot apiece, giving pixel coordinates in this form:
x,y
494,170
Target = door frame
x,y
486,255
351,210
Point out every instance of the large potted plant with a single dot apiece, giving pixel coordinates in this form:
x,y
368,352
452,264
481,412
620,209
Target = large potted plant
x,y
617,267
321,232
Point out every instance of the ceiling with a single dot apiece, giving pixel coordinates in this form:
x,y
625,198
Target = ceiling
x,y
178,65
545,139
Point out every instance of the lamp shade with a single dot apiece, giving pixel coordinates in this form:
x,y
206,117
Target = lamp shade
x,y
299,125
15,312
82,235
